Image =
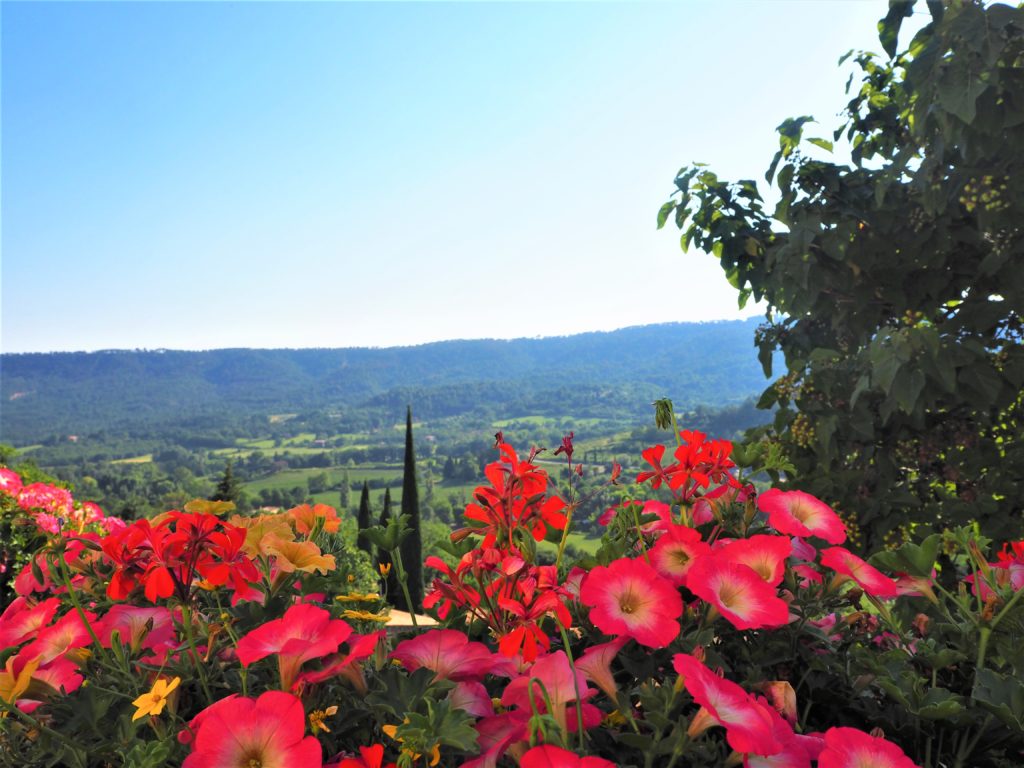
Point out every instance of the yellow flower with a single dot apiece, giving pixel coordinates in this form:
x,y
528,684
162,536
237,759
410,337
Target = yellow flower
x,y
385,569
317,717
435,751
13,685
152,703
366,616
358,597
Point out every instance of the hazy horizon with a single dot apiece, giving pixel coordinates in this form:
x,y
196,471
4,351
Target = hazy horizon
x,y
541,337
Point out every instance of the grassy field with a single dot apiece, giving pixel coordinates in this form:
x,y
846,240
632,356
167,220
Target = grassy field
x,y
144,459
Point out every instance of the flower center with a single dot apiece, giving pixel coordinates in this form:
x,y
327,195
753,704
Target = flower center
x,y
728,594
629,602
800,512
681,556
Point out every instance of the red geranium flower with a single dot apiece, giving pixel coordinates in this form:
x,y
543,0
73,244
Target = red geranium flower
x,y
850,748
267,731
629,598
743,597
869,578
800,514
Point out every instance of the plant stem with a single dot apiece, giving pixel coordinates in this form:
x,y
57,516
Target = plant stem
x,y
396,557
186,620
575,685
565,532
65,576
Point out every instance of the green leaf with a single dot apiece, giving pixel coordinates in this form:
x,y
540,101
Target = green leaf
x,y
958,90
912,559
889,26
907,389
664,213
1002,696
823,143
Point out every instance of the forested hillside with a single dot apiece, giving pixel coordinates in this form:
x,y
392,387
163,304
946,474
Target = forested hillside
x,y
587,375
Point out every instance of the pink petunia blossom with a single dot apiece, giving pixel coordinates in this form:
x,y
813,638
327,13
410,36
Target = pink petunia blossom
x,y
868,578
449,654
800,514
850,748
739,594
766,555
305,632
676,551
268,731
751,726
630,598
549,756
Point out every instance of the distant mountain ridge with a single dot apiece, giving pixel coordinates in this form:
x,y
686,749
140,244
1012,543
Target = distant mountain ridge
x,y
69,392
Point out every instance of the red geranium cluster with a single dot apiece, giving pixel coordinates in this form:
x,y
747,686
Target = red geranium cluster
x,y
171,555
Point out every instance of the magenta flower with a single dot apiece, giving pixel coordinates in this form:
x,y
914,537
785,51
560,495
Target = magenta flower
x,y
676,551
868,578
751,726
739,594
549,756
305,632
450,654
850,748
629,598
800,514
766,555
268,731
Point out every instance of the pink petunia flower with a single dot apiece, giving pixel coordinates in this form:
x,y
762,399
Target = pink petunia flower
x,y
549,756
739,594
560,683
596,664
800,514
751,726
305,632
23,619
676,551
766,555
629,598
369,757
267,731
850,748
868,578
450,654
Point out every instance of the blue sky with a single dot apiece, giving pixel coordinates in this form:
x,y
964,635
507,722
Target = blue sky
x,y
196,176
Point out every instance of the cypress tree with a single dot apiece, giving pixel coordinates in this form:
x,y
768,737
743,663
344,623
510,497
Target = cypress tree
x,y
227,488
363,519
412,547
384,558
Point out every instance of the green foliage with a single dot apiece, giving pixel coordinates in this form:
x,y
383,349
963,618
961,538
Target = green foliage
x,y
893,280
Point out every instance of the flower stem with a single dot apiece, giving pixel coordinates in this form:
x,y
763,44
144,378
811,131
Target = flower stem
x,y
575,684
186,620
396,557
